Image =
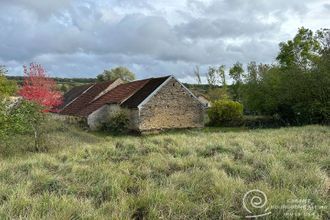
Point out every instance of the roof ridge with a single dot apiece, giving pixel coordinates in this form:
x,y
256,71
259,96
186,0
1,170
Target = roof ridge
x,y
150,78
120,85
149,87
88,88
147,80
109,83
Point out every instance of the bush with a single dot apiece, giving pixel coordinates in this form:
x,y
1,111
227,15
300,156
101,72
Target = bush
x,y
225,113
118,123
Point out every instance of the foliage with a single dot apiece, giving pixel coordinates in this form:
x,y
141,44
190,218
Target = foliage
x,y
211,76
296,91
190,174
21,117
255,90
116,73
297,96
118,123
302,51
236,72
218,93
222,75
216,76
7,87
225,112
38,87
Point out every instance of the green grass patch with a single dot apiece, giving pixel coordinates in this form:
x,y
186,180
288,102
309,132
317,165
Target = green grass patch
x,y
186,174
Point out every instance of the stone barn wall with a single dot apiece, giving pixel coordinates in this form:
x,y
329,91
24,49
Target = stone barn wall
x,y
171,107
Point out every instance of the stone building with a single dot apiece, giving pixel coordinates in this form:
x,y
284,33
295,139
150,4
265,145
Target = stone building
x,y
205,101
151,104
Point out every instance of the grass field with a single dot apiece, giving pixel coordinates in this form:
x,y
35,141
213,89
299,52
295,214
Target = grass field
x,y
193,174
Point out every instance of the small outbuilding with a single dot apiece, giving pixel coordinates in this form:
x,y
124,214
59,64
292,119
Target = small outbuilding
x,y
151,104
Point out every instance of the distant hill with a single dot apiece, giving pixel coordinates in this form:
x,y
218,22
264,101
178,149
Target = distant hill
x,y
20,79
64,84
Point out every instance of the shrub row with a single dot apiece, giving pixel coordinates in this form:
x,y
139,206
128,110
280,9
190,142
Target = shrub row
x,y
230,113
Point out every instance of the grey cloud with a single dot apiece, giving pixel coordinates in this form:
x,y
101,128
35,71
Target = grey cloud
x,y
217,28
258,7
235,18
136,4
83,65
75,38
138,33
42,8
246,52
327,6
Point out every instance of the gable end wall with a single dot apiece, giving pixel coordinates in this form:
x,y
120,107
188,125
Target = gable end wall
x,y
171,107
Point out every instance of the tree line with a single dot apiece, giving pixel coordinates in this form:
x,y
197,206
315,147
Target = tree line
x,y
295,89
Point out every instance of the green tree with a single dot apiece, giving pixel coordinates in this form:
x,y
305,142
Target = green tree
x,y
305,78
115,73
295,94
211,76
302,51
236,72
7,87
21,117
222,75
218,93
216,77
253,91
320,81
252,72
323,36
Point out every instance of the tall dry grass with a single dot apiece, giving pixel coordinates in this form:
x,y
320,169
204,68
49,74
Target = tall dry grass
x,y
192,174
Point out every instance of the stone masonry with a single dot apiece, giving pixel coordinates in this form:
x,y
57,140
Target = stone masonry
x,y
171,107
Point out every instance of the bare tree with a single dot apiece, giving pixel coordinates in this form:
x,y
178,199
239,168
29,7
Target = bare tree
x,y
197,74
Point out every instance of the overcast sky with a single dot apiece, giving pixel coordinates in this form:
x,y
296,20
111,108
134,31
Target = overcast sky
x,y
81,38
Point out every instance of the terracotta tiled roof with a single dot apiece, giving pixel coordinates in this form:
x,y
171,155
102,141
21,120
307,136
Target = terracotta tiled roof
x,y
144,92
84,98
116,95
129,95
73,93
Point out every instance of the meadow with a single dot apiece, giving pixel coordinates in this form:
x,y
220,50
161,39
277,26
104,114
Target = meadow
x,y
187,174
